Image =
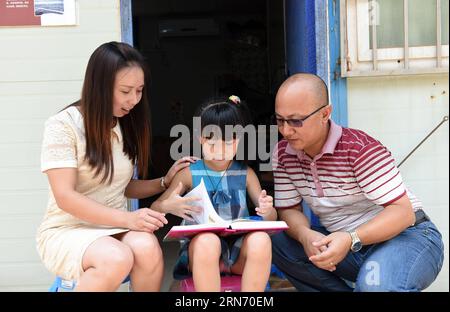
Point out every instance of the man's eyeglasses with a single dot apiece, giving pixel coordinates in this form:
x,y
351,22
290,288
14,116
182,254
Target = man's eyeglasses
x,y
296,123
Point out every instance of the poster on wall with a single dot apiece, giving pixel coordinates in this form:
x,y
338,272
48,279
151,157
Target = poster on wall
x,y
37,12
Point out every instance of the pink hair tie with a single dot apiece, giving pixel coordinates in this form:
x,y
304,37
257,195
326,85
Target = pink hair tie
x,y
235,99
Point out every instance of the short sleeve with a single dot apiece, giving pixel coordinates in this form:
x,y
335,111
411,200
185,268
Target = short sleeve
x,y
377,175
59,148
286,194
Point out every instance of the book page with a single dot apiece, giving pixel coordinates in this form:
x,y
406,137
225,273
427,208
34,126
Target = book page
x,y
197,227
262,225
208,214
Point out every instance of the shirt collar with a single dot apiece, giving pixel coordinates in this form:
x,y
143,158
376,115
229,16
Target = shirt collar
x,y
334,135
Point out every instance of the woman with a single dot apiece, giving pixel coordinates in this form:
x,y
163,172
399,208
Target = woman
x,y
89,152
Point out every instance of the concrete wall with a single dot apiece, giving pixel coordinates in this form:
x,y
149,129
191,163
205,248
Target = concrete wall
x,y
41,72
400,112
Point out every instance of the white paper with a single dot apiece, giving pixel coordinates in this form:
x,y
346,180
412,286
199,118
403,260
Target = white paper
x,y
208,214
245,225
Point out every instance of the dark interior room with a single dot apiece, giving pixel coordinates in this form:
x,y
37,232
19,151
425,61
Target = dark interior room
x,y
204,48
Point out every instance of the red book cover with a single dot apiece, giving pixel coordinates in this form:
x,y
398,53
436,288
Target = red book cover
x,y
209,221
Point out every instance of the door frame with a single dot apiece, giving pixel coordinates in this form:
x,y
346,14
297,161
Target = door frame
x,y
126,21
313,46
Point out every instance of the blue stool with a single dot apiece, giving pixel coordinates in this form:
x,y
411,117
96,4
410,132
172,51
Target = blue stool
x,y
59,283
276,271
69,285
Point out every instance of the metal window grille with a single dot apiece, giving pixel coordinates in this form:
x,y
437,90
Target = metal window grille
x,y
352,65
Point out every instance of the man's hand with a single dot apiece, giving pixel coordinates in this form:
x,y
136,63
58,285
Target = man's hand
x,y
338,245
307,240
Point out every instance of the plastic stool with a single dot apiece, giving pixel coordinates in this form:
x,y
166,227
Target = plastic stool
x,y
228,283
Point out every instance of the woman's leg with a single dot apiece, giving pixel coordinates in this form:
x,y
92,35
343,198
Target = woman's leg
x,y
106,263
254,261
204,256
148,266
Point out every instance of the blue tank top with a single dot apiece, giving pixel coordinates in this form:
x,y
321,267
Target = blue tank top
x,y
230,197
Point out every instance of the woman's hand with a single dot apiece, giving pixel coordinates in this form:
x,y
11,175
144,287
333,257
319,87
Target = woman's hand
x,y
180,164
146,220
265,208
180,206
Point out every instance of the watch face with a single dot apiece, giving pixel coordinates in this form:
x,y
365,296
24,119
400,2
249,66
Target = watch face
x,y
356,246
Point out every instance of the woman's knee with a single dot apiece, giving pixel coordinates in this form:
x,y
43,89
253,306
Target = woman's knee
x,y
144,245
119,257
110,257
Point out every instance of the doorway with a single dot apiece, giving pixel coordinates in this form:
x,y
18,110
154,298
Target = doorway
x,y
198,49
202,48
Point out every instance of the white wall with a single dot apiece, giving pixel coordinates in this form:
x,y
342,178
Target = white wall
x,y
41,72
400,112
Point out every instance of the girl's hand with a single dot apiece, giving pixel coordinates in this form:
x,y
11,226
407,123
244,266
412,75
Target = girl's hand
x,y
177,166
265,205
180,206
146,220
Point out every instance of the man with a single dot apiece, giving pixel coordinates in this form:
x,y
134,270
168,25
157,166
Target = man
x,y
375,232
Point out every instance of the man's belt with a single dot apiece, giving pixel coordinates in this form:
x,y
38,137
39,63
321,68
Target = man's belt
x,y
421,216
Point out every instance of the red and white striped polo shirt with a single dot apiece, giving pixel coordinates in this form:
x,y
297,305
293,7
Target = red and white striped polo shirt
x,y
346,185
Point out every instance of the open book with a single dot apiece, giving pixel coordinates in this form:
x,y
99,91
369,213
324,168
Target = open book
x,y
209,221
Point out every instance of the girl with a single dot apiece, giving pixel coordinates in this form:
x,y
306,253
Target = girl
x,y
88,153
227,181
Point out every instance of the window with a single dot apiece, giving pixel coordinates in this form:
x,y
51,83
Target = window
x,y
389,37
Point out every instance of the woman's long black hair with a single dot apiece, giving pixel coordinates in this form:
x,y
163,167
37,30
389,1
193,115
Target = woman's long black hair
x,y
97,109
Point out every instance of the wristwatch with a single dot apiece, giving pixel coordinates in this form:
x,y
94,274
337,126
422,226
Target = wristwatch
x,y
163,183
356,242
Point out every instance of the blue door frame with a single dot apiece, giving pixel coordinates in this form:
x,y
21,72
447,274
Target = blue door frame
x,y
313,46
338,90
300,36
310,50
126,29
126,21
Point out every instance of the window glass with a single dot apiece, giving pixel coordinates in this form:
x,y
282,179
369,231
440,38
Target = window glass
x,y
422,23
390,30
444,12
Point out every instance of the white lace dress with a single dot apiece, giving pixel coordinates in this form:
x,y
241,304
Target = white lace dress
x,y
62,238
